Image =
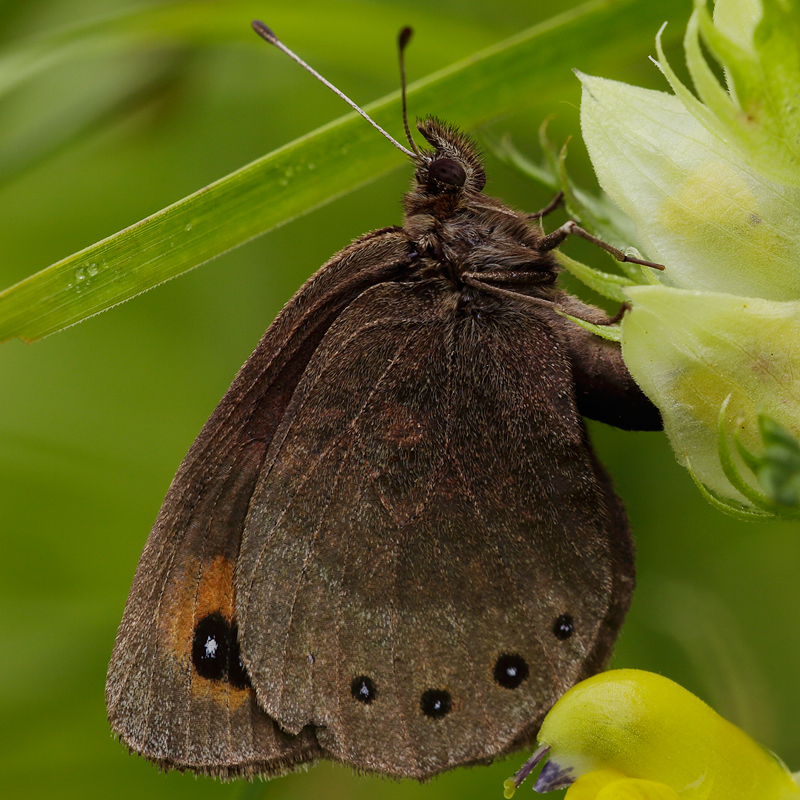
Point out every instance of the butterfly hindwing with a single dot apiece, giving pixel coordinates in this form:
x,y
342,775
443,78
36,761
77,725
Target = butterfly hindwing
x,y
424,569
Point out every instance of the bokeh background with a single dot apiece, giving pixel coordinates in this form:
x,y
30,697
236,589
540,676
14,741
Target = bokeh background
x,y
95,420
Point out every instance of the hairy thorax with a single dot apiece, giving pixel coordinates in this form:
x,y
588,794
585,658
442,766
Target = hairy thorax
x,y
472,235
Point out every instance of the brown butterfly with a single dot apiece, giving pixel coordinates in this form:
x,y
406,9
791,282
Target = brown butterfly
x,y
391,545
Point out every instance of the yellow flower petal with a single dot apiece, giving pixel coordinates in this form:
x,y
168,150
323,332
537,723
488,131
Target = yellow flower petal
x,y
633,789
588,786
650,728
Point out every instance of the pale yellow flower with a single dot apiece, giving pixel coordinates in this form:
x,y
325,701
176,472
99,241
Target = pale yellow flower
x,y
713,187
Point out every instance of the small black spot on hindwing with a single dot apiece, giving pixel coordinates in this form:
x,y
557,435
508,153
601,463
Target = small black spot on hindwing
x,y
436,703
510,670
563,627
363,689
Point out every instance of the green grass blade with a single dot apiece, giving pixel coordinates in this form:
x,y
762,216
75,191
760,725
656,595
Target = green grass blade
x,y
314,169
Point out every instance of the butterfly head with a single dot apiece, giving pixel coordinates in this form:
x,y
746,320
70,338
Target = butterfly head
x,y
453,168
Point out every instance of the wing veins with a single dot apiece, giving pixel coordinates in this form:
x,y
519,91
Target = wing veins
x,y
333,442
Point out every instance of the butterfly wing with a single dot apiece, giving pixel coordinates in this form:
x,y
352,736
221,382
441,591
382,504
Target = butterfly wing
x,y
432,555
177,691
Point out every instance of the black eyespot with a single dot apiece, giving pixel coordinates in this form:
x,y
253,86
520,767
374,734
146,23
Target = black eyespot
x,y
363,689
211,647
563,627
436,703
215,651
510,670
447,171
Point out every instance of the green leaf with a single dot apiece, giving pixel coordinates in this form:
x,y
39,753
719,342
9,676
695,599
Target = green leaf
x,y
778,470
541,174
725,505
312,170
611,332
604,283
779,473
759,115
597,213
780,467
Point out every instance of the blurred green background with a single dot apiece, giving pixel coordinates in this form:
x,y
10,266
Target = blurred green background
x,y
95,420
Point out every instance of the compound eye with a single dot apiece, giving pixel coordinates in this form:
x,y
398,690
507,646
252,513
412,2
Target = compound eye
x,y
448,171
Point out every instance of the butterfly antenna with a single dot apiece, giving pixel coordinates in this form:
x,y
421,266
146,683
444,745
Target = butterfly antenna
x,y
266,33
402,40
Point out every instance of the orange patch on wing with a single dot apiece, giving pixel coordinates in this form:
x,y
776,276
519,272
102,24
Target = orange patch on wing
x,y
200,591
220,692
215,592
177,616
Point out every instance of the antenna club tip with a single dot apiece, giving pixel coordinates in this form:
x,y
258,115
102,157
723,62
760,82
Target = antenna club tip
x,y
404,37
264,31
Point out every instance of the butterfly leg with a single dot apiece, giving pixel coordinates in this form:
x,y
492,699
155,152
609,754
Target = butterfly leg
x,y
555,203
606,321
554,239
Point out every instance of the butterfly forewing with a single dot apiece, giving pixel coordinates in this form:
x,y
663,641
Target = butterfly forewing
x,y
176,690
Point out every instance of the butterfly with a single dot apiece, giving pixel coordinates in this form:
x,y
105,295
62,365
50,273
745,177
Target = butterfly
x,y
391,545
